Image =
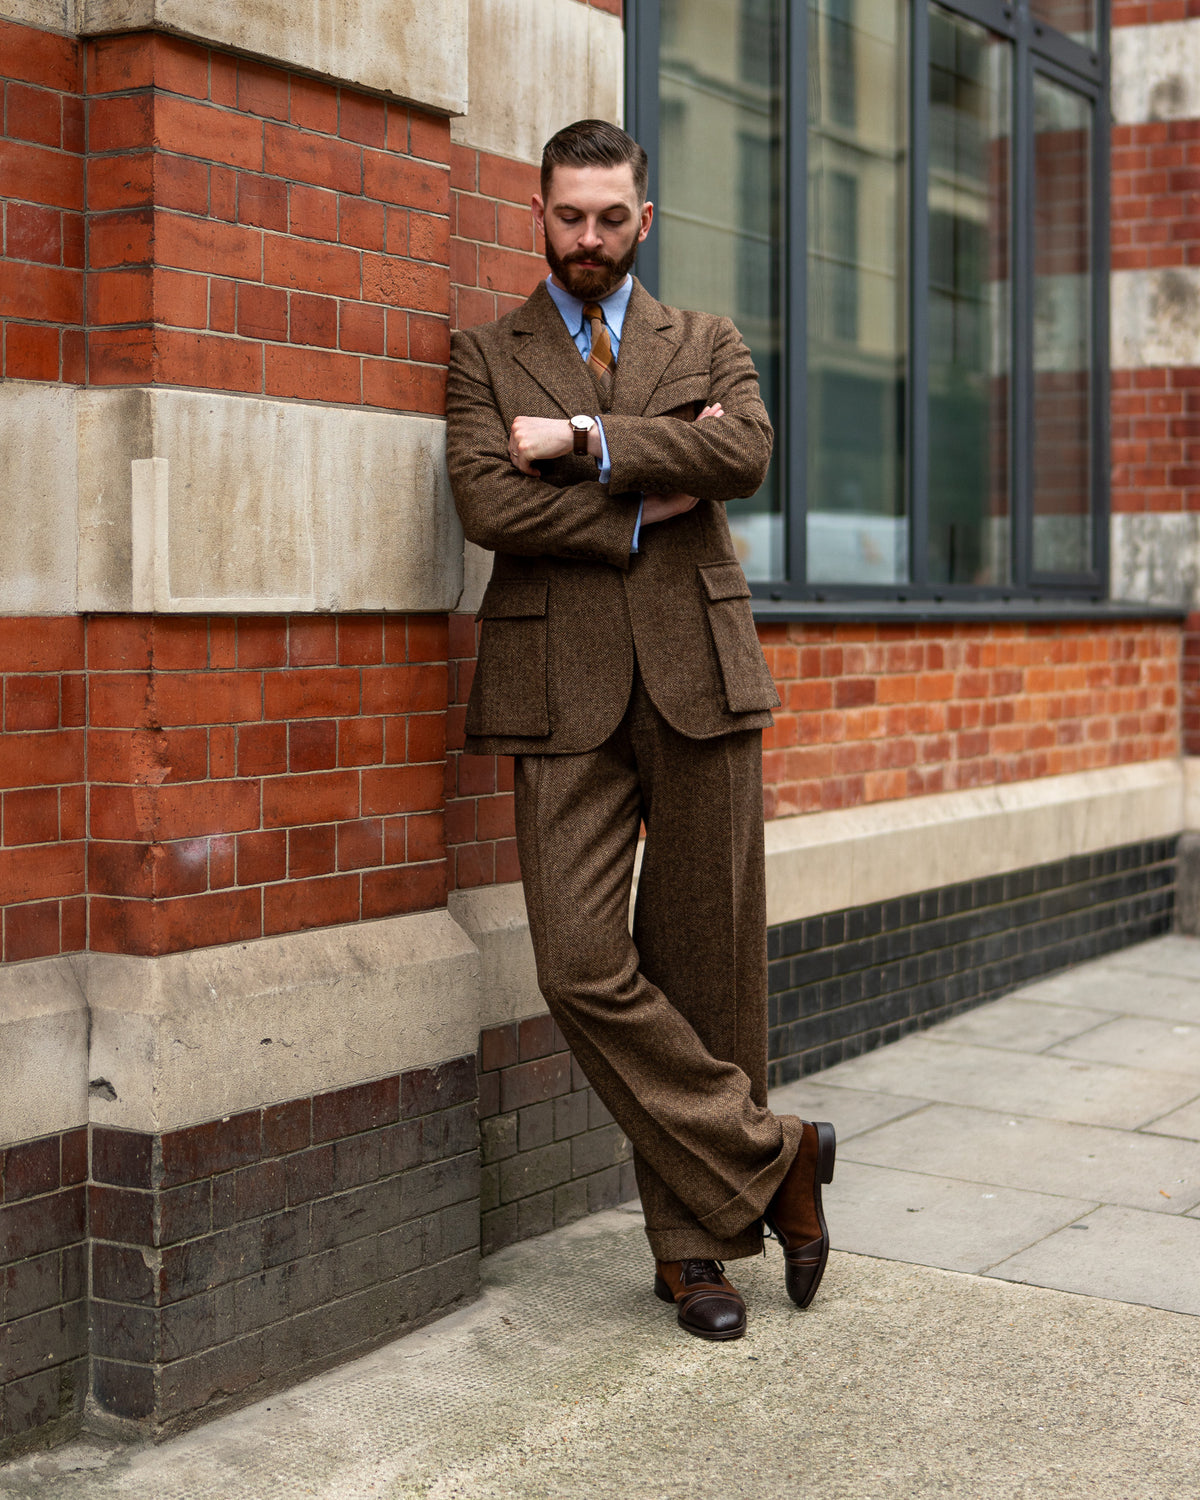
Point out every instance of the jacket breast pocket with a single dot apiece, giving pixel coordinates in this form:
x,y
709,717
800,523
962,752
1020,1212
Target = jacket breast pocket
x,y
509,695
748,684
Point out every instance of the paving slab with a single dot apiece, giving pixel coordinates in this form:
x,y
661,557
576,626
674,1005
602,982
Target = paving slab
x,y
568,1379
850,1110
1140,1042
1054,1087
1183,1122
938,1221
1019,1025
1153,1172
1106,985
1122,1253
1172,954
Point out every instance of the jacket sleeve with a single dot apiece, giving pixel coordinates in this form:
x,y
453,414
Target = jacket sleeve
x,y
720,459
507,511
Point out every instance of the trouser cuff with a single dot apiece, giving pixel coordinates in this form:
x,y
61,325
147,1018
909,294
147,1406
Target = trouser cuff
x,y
697,1244
740,1212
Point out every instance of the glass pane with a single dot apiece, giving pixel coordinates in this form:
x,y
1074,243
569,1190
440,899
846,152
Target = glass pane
x,y
720,196
969,359
1077,18
857,312
1062,330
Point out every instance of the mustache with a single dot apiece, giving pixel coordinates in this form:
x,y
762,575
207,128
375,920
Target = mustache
x,y
599,259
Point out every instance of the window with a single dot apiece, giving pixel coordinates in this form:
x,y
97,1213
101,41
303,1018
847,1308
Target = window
x,y
902,206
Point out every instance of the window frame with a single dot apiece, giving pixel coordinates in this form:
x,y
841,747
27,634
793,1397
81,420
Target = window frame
x,y
1037,48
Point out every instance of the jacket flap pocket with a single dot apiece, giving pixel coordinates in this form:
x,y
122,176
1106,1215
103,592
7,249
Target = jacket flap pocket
x,y
512,599
724,580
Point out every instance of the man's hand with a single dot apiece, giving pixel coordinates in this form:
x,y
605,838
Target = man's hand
x,y
532,440
663,507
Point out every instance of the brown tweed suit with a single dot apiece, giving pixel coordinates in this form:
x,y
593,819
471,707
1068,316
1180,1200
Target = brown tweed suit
x,y
632,687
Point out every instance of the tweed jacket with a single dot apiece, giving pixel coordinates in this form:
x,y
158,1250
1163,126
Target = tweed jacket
x,y
569,608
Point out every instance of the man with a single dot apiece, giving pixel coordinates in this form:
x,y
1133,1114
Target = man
x,y
593,437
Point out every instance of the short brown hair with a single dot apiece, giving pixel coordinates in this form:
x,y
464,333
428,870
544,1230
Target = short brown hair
x,y
594,143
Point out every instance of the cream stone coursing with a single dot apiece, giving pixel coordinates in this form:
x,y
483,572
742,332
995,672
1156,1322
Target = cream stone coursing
x,y
1156,72
1155,318
535,66
408,49
43,1050
220,504
1155,556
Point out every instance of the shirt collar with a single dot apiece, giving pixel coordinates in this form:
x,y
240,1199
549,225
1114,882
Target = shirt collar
x,y
571,307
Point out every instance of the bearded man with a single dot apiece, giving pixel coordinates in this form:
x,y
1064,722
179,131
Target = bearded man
x,y
593,438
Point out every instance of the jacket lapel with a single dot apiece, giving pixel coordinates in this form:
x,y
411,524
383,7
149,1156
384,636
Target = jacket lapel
x,y
649,342
544,348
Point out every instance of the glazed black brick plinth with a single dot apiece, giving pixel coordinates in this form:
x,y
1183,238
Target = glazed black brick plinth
x,y
43,1287
550,1150
246,1253
846,982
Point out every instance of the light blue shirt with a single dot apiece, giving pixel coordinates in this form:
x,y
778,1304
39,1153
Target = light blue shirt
x,y
613,307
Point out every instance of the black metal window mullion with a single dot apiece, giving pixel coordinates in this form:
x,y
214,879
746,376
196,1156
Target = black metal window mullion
x,y
1022,283
916,424
794,438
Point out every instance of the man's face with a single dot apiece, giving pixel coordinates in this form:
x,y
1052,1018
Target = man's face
x,y
593,224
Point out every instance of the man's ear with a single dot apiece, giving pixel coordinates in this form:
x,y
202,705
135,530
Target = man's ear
x,y
646,219
539,212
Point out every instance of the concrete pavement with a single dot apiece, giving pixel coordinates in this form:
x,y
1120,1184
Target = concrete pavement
x,y
1013,1308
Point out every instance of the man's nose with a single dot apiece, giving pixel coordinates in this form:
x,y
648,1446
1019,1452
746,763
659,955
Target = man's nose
x,y
591,238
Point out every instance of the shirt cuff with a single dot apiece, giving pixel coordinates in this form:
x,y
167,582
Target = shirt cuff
x,y
637,530
605,473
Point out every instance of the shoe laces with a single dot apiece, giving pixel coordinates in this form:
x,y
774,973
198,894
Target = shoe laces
x,y
701,1270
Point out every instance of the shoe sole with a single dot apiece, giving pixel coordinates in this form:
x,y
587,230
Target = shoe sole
x,y
661,1289
826,1156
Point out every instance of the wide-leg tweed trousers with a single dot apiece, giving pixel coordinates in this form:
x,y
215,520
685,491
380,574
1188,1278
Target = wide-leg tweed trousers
x,y
670,1026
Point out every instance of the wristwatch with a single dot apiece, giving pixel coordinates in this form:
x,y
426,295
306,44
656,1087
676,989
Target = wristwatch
x,y
581,428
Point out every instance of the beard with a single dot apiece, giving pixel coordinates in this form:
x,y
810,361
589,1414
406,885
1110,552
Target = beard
x,y
593,283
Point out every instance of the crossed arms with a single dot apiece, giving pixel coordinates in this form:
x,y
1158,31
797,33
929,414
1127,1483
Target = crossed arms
x,y
505,507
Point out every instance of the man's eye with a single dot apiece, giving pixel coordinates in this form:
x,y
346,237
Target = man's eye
x,y
613,223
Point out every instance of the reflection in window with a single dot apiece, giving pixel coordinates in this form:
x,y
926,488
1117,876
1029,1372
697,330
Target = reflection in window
x,y
1077,18
1062,338
969,101
719,204
857,527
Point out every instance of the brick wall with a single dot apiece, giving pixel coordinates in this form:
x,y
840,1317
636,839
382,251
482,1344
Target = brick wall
x,y
42,773
42,203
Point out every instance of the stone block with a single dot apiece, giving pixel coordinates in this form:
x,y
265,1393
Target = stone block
x,y
597,1149
570,1115
535,1215
498,1137
497,1229
570,1203
535,1125
535,1171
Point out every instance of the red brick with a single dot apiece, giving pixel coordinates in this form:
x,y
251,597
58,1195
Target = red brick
x,y
262,201
312,375
43,294
331,269
426,738
206,245
120,182
313,320
360,742
311,693
262,90
312,640
31,352
360,844
41,759
208,697
41,57
310,903
34,115
262,312
215,363
314,105
403,689
313,212
41,175
361,223
180,67
388,892
262,641
429,136
473,307
464,168
500,177
311,851
404,387
396,344
117,64
322,797
121,296
219,135
261,749
514,227
312,746
38,872
428,637
509,271
426,837
31,816
261,857
317,160
31,931
429,238
396,789
31,703
362,328
363,119
404,182
120,124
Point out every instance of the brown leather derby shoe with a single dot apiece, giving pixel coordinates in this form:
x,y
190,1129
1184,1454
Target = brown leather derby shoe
x,y
708,1304
794,1214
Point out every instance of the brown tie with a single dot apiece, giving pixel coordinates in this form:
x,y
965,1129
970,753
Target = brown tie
x,y
600,360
